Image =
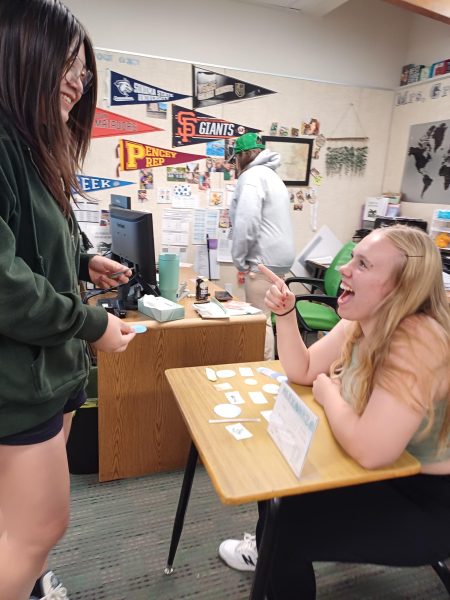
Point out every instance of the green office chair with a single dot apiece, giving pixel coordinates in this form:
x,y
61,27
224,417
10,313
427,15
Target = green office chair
x,y
317,312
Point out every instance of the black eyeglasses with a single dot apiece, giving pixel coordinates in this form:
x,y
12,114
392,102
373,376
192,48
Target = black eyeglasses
x,y
77,73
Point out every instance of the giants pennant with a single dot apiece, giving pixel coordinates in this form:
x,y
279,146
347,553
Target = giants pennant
x,y
134,155
107,123
191,127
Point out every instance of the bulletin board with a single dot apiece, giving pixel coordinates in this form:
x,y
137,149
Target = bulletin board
x,y
164,131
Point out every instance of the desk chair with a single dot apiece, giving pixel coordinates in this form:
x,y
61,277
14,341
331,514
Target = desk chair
x,y
444,573
317,312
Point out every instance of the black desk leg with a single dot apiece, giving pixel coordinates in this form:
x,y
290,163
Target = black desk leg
x,y
188,478
266,550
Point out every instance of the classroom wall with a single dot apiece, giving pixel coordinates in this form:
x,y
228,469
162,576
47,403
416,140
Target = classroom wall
x,y
428,41
348,111
362,43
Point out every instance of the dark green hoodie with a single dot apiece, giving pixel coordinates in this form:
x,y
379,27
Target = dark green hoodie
x,y
43,323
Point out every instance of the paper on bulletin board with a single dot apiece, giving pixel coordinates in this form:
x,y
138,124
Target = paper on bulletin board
x,y
292,426
224,245
204,265
175,227
205,222
94,222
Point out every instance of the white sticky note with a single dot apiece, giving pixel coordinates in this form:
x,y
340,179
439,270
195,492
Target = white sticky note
x,y
238,431
227,411
234,398
271,388
224,373
246,371
266,414
257,398
221,387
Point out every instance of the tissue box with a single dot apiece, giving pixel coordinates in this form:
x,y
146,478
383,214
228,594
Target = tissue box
x,y
163,309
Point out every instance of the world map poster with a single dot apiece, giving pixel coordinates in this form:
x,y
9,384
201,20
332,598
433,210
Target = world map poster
x,y
426,177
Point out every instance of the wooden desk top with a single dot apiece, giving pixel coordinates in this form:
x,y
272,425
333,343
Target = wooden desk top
x,y
191,316
254,469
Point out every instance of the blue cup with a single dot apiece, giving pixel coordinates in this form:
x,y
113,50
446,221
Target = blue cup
x,y
169,269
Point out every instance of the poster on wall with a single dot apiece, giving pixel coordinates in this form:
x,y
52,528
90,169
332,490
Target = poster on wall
x,y
126,90
295,155
134,155
214,88
107,123
426,177
192,127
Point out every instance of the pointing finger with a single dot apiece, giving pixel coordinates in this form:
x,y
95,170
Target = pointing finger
x,y
270,274
277,281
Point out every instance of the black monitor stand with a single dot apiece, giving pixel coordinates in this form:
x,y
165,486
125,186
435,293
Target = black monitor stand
x,y
129,293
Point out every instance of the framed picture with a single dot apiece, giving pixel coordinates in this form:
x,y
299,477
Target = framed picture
x,y
296,154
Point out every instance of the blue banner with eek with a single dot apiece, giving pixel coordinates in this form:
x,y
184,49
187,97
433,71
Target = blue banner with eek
x,y
95,184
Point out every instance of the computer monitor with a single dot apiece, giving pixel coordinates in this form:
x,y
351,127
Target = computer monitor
x,y
120,200
132,244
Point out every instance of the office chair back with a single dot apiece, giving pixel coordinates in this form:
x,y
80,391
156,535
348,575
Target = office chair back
x,y
332,277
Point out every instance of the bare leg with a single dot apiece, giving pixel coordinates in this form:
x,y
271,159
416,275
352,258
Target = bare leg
x,y
67,424
34,505
256,286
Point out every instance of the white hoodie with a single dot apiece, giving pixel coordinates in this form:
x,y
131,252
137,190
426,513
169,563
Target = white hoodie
x,y
260,216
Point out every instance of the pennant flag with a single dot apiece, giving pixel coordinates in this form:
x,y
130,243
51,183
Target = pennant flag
x,y
126,90
134,155
191,127
107,123
94,184
213,88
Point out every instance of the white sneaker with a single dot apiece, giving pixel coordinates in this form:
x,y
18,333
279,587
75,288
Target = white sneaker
x,y
51,588
240,554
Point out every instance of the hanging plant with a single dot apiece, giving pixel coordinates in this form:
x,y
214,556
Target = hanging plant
x,y
346,160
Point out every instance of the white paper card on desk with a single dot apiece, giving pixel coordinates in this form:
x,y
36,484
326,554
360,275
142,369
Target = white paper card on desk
x,y
239,431
225,310
211,310
234,398
292,425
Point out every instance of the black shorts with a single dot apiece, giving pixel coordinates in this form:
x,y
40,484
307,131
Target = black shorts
x,y
47,430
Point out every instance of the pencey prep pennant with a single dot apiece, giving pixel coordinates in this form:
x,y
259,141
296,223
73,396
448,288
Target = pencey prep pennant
x,y
91,184
213,88
107,123
126,90
191,127
134,155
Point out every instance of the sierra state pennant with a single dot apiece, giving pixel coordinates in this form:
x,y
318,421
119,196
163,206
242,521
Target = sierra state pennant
x,y
213,88
107,123
191,127
126,90
134,155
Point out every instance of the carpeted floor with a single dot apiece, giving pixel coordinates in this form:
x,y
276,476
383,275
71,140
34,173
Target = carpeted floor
x,y
118,540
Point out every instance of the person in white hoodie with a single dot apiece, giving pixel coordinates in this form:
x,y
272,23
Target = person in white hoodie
x,y
261,221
